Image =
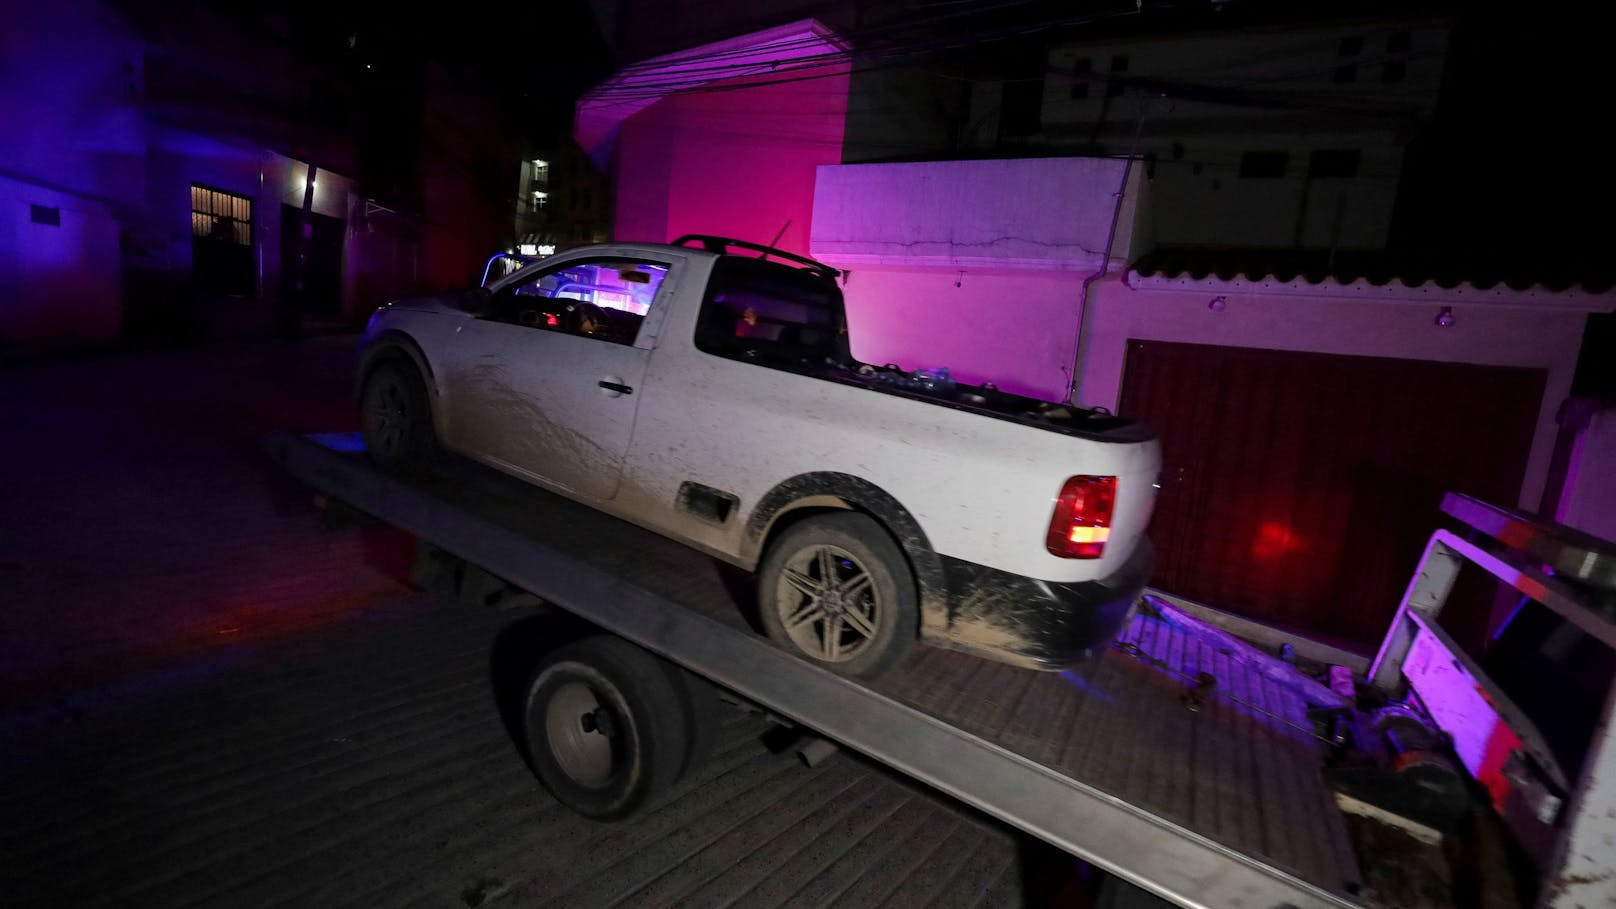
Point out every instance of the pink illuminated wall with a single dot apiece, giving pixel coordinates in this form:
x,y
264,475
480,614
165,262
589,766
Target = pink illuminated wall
x,y
976,265
738,162
1015,328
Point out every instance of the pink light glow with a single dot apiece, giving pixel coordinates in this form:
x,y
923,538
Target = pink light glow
x,y
738,163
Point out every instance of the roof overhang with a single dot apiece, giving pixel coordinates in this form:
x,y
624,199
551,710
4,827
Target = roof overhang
x,y
798,46
1362,290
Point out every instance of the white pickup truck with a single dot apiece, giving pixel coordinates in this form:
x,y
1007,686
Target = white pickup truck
x,y
705,390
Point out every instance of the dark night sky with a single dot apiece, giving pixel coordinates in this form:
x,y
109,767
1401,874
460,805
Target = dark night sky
x,y
1507,182
1512,175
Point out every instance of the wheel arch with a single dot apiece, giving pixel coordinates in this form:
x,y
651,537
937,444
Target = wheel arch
x,y
394,346
806,495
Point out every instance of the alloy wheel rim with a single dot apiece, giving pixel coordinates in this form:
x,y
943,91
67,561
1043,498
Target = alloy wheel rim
x,y
827,602
389,414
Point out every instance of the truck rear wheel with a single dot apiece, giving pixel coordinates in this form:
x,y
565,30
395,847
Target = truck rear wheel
x,y
837,589
396,419
606,727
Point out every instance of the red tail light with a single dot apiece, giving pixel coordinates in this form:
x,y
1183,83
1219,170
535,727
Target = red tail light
x,y
1082,521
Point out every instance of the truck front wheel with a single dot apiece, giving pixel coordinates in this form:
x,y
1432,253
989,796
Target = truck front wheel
x,y
396,419
837,589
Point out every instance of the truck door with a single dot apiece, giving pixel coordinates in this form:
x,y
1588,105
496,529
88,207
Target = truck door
x,y
545,381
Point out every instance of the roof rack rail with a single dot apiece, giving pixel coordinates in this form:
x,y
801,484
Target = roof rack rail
x,y
722,245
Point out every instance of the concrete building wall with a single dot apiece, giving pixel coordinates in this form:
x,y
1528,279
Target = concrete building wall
x,y
1353,88
179,159
1251,69
59,267
1514,330
1218,207
1016,328
1588,499
73,145
70,76
1036,212
978,266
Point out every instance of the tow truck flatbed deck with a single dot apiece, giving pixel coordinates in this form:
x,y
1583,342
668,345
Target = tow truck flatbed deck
x,y
1213,800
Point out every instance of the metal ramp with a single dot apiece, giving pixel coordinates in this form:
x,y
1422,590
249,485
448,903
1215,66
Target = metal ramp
x,y
1213,803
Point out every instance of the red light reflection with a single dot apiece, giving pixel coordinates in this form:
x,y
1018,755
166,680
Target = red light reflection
x,y
1274,540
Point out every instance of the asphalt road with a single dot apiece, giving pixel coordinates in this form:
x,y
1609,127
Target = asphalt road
x,y
207,698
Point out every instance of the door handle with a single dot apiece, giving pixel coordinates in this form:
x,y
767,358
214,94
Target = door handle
x,y
614,387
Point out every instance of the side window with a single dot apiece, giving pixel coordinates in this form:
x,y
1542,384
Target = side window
x,y
605,299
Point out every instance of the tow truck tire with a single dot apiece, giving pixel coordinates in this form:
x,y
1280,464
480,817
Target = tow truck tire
x,y
606,731
396,419
837,590
702,716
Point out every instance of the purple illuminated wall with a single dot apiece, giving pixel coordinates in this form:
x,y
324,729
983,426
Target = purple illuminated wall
x,y
71,157
738,162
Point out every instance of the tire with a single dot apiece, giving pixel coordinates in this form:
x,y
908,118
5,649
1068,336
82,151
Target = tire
x,y
874,584
702,716
396,419
605,730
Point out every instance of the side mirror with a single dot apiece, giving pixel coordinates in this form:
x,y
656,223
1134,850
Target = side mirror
x,y
476,301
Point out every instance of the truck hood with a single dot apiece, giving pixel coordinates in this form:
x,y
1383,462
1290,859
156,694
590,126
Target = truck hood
x,y
444,305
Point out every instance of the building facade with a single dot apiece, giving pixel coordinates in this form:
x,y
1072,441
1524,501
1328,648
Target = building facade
x,y
182,172
562,200
1281,139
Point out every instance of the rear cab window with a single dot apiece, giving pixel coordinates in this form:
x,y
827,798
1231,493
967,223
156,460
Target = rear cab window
x,y
773,315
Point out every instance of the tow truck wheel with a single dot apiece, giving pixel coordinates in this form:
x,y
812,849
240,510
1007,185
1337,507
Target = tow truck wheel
x,y
702,715
396,419
837,589
606,731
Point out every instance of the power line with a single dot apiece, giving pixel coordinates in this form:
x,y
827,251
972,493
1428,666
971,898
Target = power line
x,y
835,64
693,80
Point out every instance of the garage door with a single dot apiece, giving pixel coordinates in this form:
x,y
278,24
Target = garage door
x,y
1299,489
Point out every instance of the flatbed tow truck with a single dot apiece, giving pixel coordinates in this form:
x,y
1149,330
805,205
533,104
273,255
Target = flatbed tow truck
x,y
1184,762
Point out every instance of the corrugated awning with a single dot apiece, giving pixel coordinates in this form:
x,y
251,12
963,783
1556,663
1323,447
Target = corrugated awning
x,y
1361,275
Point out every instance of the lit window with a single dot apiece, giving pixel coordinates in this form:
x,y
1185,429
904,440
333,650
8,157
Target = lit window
x,y
221,241
540,200
541,171
219,215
